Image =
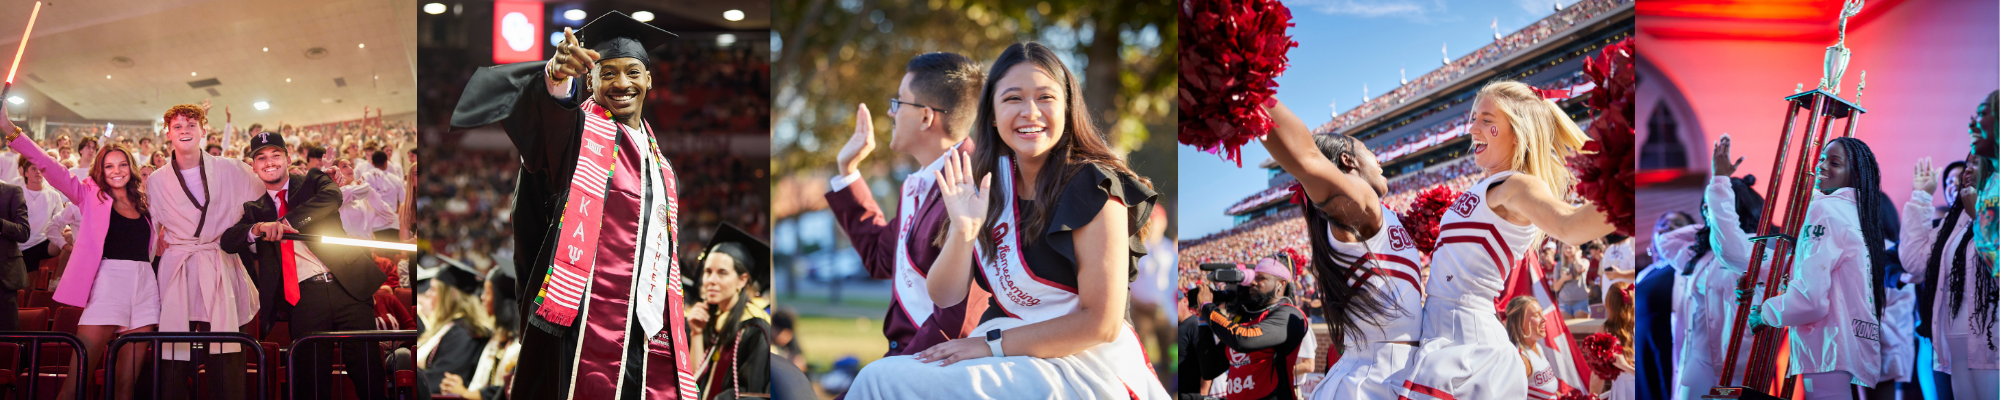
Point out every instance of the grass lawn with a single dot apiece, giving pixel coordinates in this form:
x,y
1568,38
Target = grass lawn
x,y
826,339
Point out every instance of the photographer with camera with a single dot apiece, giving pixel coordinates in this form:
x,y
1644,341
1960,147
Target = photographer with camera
x,y
1258,328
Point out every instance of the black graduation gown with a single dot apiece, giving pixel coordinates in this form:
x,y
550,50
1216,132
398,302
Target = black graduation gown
x,y
457,353
547,133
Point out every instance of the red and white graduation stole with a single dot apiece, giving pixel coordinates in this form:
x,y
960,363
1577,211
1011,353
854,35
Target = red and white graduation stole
x,y
911,292
1016,289
569,274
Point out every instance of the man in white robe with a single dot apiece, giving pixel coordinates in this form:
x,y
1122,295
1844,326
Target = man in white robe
x,y
202,288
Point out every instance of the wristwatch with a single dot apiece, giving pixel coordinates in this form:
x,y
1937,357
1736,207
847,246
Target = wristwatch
x,y
993,342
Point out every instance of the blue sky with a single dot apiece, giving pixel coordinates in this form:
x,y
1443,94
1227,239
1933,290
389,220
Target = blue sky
x,y
1343,45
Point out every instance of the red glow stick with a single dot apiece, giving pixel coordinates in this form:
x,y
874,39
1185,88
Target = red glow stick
x,y
16,67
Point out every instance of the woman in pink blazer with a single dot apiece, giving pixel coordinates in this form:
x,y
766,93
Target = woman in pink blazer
x,y
109,272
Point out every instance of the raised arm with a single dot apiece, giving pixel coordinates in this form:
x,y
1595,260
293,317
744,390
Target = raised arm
x,y
853,204
951,274
1918,233
53,171
1346,197
1531,197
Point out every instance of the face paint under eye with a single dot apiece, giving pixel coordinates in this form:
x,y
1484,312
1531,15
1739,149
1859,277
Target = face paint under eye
x,y
1493,130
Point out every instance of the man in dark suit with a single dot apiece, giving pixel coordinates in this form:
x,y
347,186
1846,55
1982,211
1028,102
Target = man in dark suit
x,y
318,287
13,271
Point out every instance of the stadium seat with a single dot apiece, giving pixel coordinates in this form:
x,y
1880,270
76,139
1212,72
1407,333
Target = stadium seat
x,y
66,319
34,318
42,298
406,296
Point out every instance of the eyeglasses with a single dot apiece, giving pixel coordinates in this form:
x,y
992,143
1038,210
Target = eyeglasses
x,y
896,104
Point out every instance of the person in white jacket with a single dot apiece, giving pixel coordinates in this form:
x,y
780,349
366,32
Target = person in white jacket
x,y
1963,311
1712,266
1832,301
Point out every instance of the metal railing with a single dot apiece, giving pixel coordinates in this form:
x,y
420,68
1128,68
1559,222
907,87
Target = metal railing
x,y
196,338
34,340
403,380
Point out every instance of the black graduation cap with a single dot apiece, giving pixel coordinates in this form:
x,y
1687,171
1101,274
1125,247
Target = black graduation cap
x,y
460,276
747,250
502,276
616,35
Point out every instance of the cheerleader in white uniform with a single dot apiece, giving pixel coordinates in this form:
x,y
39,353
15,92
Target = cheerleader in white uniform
x,y
1966,299
1831,301
1524,328
1712,267
1520,140
1369,288
1055,244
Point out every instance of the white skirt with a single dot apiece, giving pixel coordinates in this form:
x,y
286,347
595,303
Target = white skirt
x,y
125,295
1116,370
1364,374
1465,354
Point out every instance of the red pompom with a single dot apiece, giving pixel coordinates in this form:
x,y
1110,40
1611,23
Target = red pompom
x,y
1423,217
1601,350
1577,394
1604,170
1230,50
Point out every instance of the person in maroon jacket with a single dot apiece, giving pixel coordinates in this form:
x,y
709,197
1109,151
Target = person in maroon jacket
x,y
931,114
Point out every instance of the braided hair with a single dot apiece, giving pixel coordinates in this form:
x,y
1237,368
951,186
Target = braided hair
x,y
1987,297
1346,307
1866,179
1749,213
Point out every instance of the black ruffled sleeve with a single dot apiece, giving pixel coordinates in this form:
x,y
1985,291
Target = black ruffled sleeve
x,y
1084,196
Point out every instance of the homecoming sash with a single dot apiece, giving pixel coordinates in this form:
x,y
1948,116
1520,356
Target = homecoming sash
x,y
910,291
1016,289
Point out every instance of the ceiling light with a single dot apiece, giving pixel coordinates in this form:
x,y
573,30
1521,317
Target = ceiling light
x,y
190,74
267,49
643,16
262,105
733,15
574,14
15,100
107,77
363,45
724,40
288,80
434,8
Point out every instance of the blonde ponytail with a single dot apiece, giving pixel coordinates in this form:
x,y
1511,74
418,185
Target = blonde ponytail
x,y
1544,136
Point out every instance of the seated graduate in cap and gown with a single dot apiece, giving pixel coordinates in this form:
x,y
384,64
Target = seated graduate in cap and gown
x,y
596,218
735,328
457,327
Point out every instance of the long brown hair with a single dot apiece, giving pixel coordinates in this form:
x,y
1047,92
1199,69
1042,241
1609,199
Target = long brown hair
x,y
1620,320
1082,146
1516,319
135,187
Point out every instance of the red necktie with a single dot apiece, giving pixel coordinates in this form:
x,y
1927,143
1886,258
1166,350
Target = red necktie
x,y
290,262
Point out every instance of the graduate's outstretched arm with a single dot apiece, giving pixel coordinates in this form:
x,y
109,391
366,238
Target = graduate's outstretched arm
x,y
1345,196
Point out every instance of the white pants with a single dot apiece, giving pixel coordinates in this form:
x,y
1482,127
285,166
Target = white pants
x,y
1694,379
1968,383
1835,385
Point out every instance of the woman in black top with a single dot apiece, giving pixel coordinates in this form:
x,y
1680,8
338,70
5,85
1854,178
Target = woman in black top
x,y
1055,242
